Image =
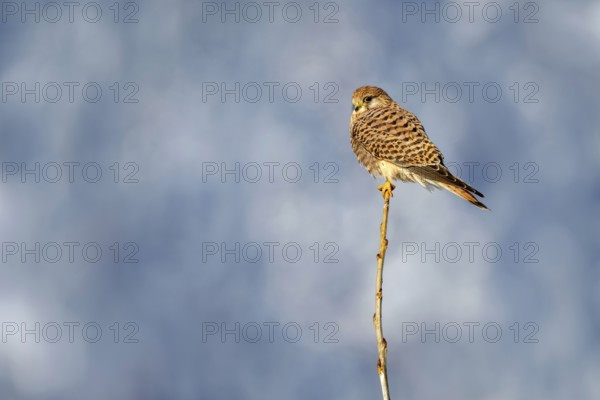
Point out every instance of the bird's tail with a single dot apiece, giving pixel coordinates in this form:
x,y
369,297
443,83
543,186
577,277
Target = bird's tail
x,y
439,176
463,191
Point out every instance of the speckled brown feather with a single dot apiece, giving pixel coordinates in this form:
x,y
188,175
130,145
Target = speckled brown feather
x,y
391,142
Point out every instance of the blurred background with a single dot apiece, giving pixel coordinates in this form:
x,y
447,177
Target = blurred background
x,y
182,216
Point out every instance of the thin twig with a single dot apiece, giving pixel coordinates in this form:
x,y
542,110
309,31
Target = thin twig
x,y
386,190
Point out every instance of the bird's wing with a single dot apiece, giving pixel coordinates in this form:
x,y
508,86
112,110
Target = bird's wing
x,y
396,135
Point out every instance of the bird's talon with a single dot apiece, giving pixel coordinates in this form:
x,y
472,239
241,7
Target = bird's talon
x,y
387,189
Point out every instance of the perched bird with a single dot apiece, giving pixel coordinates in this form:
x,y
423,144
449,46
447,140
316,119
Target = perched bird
x,y
390,141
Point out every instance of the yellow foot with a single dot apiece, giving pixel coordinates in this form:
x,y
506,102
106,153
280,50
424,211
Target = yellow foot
x,y
386,189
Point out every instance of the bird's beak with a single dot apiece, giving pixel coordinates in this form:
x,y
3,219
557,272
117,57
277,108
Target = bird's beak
x,y
356,105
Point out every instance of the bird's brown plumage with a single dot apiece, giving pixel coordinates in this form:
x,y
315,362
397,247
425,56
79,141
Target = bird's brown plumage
x,y
390,141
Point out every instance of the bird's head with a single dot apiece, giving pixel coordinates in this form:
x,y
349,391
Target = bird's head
x,y
369,97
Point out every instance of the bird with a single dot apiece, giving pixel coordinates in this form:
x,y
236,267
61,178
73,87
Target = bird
x,y
390,141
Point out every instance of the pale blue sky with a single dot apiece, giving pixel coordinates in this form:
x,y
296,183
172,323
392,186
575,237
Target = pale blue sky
x,y
168,108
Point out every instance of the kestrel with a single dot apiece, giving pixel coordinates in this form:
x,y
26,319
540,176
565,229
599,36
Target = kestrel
x,y
390,141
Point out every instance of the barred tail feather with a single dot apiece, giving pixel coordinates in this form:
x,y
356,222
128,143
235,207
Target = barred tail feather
x,y
465,194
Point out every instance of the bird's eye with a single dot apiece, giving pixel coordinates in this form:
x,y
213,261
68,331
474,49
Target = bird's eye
x,y
368,99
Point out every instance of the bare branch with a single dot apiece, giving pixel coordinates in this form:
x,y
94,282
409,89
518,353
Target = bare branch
x,y
386,190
